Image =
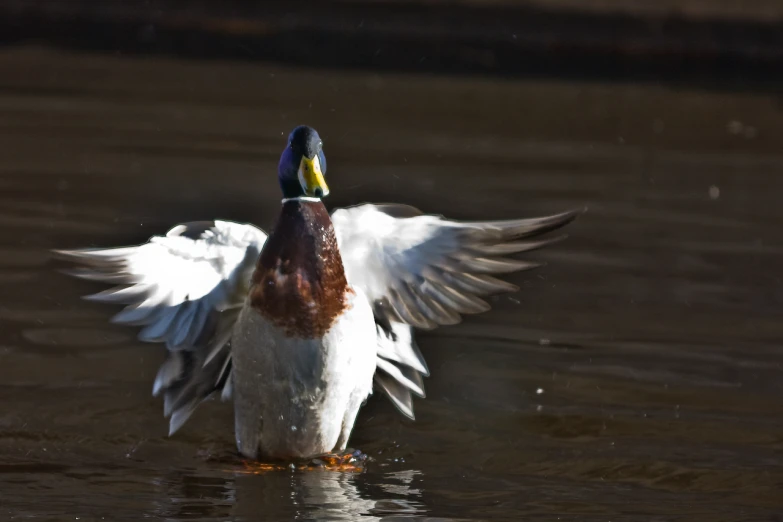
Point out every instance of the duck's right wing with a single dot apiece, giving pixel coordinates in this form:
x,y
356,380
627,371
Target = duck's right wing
x,y
185,289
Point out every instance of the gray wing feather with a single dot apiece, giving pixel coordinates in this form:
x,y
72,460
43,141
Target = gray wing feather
x,y
424,271
183,289
431,270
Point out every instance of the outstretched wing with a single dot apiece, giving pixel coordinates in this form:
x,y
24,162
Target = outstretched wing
x,y
424,271
184,289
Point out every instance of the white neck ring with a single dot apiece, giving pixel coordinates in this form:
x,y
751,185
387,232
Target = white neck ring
x,y
302,198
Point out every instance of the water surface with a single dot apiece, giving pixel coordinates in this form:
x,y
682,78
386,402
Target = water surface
x,y
636,377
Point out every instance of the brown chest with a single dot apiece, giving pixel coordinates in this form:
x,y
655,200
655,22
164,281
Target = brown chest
x,y
299,282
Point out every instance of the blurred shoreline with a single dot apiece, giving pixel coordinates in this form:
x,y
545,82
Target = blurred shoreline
x,y
693,41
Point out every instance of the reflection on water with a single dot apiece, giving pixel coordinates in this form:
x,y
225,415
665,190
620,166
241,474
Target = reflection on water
x,y
286,496
636,377
326,496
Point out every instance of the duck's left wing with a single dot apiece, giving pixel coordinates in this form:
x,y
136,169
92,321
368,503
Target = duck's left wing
x,y
424,271
184,289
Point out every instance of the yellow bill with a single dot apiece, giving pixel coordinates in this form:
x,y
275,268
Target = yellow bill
x,y
311,177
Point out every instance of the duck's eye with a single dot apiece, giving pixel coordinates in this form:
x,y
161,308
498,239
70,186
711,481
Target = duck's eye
x,y
320,145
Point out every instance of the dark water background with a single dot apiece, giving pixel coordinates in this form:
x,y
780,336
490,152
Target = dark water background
x,y
636,377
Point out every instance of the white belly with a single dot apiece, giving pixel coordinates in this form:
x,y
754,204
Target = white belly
x,y
299,397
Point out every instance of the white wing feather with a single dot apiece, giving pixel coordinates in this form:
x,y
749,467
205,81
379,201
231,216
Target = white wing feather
x,y
184,289
424,271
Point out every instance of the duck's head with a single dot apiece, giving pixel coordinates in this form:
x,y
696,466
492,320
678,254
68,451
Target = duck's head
x,y
303,165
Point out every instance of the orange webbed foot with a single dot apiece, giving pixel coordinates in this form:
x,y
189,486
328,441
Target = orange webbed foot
x,y
347,461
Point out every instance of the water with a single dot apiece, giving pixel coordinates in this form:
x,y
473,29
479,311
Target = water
x,y
636,377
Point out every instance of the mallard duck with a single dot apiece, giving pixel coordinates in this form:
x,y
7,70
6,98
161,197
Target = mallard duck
x,y
296,326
